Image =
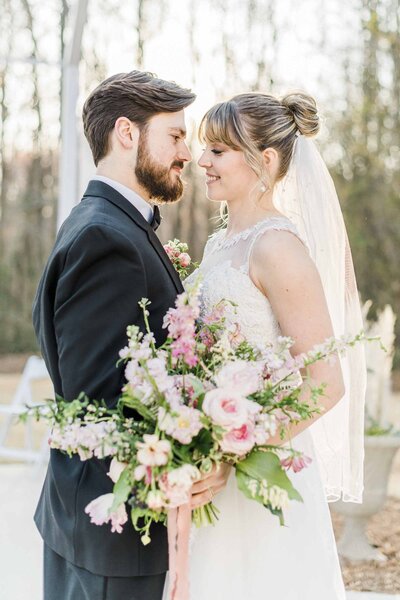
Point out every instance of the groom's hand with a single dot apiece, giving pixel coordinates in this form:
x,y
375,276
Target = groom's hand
x,y
209,485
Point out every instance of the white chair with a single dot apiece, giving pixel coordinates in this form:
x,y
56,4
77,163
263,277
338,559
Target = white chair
x,y
34,369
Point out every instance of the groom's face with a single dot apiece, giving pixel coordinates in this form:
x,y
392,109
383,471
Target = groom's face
x,y
161,156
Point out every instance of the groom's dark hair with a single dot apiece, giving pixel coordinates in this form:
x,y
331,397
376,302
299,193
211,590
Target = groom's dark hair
x,y
138,96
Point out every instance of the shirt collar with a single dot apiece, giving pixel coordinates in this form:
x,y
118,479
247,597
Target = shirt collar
x,y
142,206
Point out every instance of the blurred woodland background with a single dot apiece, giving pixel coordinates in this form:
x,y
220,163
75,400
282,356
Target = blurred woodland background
x,y
346,54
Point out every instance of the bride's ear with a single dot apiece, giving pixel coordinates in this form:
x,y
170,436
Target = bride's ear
x,y
271,161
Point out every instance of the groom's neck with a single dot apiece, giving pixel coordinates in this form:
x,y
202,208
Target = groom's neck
x,y
124,176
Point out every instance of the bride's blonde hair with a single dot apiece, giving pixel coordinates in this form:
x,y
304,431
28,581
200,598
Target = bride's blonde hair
x,y
253,122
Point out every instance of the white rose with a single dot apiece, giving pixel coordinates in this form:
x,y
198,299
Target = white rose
x,y
241,376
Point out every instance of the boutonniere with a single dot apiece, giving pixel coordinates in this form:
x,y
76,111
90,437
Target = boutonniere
x,y
178,254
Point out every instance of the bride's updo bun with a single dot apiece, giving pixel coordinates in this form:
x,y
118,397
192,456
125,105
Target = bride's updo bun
x,y
304,110
255,121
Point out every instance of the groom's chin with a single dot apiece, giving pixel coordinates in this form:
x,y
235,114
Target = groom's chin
x,y
170,197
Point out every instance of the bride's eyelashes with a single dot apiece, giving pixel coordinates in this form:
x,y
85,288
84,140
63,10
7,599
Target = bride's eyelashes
x,y
213,150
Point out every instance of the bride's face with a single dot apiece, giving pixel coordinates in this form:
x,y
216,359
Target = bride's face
x,y
228,176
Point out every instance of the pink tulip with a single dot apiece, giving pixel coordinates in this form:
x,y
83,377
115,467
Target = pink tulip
x,y
99,512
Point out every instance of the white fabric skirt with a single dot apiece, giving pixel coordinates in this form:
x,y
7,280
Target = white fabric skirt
x,y
249,555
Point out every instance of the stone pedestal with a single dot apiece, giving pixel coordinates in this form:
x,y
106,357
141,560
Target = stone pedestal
x,y
379,455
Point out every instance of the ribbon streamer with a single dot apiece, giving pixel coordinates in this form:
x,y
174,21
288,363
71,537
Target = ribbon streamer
x,y
179,524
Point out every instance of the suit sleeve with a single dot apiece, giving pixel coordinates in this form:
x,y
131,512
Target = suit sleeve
x,y
97,297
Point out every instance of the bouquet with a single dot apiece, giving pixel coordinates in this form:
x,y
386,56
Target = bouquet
x,y
206,396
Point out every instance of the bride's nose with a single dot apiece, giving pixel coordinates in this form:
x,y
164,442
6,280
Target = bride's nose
x,y
204,160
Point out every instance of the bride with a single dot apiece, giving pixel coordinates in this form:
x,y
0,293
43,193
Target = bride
x,y
283,258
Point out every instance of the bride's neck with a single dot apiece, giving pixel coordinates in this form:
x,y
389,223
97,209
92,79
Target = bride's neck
x,y
242,215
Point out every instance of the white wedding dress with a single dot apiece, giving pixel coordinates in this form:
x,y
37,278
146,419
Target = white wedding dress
x,y
247,555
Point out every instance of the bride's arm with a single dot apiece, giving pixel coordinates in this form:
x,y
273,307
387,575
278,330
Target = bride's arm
x,y
283,270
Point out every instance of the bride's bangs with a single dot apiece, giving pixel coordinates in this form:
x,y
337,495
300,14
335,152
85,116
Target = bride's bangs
x,y
218,126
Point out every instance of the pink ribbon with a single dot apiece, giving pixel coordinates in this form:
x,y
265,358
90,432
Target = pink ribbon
x,y
179,524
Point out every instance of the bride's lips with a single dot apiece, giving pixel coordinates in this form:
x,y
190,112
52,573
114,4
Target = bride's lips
x,y
210,178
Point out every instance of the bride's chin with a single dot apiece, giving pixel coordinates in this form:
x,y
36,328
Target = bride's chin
x,y
212,199
212,196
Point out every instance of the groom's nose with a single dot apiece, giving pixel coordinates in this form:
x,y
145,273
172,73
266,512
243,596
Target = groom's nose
x,y
184,154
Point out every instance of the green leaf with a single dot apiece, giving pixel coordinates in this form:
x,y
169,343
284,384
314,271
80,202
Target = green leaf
x,y
122,489
203,442
149,516
136,514
137,405
242,481
266,465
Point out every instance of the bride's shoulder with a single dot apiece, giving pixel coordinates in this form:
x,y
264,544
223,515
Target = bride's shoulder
x,y
280,246
281,262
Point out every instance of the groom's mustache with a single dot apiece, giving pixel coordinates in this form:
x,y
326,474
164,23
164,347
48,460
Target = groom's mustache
x,y
178,163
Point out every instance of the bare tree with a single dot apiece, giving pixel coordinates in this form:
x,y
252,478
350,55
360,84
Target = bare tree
x,y
368,174
7,43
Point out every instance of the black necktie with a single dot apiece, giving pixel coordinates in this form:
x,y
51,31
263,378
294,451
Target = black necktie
x,y
156,220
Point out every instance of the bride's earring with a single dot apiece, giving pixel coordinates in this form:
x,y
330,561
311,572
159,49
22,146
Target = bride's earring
x,y
263,188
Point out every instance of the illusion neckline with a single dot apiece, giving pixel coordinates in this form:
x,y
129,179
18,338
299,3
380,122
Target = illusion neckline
x,y
228,241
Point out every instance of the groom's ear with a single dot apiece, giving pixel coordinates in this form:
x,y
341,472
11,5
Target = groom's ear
x,y
126,133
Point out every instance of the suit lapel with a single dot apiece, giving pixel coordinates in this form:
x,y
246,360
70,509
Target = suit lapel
x,y
100,189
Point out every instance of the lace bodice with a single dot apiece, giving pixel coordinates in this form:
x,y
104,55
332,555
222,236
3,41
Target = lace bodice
x,y
224,271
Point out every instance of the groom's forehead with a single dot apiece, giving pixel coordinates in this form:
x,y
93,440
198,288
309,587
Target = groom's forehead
x,y
170,122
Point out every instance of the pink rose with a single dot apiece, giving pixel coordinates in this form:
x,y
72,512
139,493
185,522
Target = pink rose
x,y
228,408
184,259
239,441
169,250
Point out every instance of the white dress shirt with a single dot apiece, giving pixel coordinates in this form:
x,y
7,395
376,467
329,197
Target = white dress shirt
x,y
142,206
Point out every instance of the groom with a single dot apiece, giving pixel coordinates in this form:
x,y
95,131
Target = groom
x,y
105,259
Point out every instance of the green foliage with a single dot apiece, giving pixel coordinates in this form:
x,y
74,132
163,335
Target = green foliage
x,y
204,441
261,465
122,489
131,402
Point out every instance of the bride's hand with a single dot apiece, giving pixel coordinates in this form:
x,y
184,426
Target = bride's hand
x,y
209,485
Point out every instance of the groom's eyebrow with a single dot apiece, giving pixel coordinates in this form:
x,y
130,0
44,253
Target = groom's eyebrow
x,y
182,132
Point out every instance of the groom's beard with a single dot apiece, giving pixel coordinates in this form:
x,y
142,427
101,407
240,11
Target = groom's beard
x,y
155,178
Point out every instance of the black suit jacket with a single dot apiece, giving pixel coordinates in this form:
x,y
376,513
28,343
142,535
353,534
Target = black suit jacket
x,y
105,259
